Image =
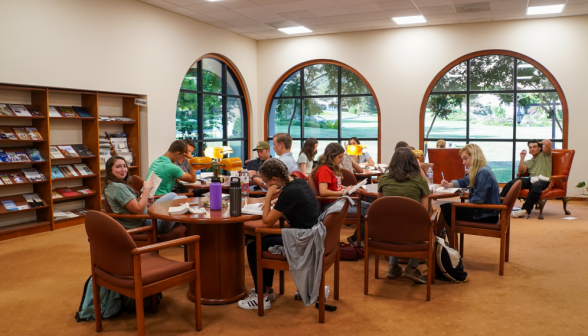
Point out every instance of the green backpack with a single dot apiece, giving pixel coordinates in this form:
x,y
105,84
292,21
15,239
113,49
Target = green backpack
x,y
110,303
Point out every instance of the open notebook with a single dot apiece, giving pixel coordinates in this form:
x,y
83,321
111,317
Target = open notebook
x,y
253,209
444,190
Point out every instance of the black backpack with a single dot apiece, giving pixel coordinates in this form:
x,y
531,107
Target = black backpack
x,y
448,264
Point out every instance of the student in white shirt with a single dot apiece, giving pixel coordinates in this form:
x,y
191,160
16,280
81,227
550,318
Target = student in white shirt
x,y
306,157
282,145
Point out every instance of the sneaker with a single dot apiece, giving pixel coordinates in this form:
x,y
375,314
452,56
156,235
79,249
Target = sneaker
x,y
270,294
414,274
519,213
251,302
351,241
393,271
327,293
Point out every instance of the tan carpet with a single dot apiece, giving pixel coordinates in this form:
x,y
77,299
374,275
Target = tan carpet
x,y
543,291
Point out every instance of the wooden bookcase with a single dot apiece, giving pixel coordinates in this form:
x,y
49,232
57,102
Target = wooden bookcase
x,y
61,131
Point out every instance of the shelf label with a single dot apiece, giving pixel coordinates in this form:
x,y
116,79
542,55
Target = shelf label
x,y
140,101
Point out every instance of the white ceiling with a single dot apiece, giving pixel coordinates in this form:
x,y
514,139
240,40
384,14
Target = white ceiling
x,y
258,19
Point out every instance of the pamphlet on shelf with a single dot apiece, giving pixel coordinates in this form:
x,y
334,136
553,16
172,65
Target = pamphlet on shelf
x,y
85,191
156,182
67,192
22,156
34,200
7,134
55,153
55,194
33,111
5,111
4,157
5,179
56,173
83,169
34,133
22,133
9,205
54,113
82,150
33,175
20,111
68,151
68,112
13,157
34,154
82,211
16,178
82,112
68,170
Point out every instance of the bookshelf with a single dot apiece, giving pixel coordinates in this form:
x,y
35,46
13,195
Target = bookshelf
x,y
60,131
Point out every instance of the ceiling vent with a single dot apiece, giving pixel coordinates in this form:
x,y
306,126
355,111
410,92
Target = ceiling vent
x,y
472,7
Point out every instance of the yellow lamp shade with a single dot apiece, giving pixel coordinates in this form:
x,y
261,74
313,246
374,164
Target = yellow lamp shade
x,y
226,150
418,153
201,162
231,164
354,149
213,152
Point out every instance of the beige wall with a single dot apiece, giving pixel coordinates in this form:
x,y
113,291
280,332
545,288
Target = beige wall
x,y
115,45
400,64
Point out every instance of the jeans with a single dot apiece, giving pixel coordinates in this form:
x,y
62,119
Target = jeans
x,y
412,262
535,190
268,274
353,210
165,226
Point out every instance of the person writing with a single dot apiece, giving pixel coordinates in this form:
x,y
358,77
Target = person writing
x,y
185,166
168,172
306,157
483,189
263,153
404,179
282,144
365,157
539,168
297,203
327,177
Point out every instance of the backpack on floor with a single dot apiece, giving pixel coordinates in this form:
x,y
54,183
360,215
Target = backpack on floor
x,y
350,252
129,304
448,264
110,303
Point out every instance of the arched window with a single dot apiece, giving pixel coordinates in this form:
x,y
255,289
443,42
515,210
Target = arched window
x,y
499,100
212,108
326,100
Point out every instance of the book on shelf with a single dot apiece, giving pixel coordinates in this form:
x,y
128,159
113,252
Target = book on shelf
x,y
82,212
17,178
82,112
5,179
7,134
60,215
55,194
34,154
13,157
5,111
103,159
68,112
20,110
34,200
9,205
34,133
22,156
82,150
33,175
22,133
56,173
55,153
67,192
85,191
4,157
33,111
68,151
68,170
54,113
83,169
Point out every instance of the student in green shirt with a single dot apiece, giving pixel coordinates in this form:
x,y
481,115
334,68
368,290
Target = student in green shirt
x,y
405,179
539,169
168,172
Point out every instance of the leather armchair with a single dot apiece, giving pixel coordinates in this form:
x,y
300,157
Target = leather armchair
x,y
446,161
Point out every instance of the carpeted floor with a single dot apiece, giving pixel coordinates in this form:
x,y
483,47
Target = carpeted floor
x,y
543,291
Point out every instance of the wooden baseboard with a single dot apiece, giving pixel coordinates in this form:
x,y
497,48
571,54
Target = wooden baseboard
x,y
24,229
69,222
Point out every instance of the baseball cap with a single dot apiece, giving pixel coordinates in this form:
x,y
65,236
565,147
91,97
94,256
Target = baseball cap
x,y
262,145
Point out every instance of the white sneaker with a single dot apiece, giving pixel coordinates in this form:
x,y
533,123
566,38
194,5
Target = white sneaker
x,y
251,302
269,293
519,213
327,293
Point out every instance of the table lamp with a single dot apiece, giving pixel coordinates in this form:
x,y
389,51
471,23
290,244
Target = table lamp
x,y
418,153
355,149
214,158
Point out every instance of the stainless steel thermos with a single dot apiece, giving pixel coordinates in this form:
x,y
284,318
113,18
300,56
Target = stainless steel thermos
x,y
235,197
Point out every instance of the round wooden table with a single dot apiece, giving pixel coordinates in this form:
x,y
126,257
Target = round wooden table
x,y
222,248
367,174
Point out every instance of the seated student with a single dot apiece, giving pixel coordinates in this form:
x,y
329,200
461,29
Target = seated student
x,y
282,145
539,165
124,200
185,166
348,163
441,143
167,171
327,177
483,189
306,157
365,157
297,203
263,153
405,179
400,144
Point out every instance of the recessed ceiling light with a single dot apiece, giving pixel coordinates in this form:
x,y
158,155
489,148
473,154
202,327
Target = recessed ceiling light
x,y
539,10
401,20
524,77
295,30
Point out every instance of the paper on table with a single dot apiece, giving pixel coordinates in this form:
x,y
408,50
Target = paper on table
x,y
372,188
253,209
179,210
156,182
447,190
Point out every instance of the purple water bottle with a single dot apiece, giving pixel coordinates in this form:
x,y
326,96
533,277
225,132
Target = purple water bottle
x,y
216,194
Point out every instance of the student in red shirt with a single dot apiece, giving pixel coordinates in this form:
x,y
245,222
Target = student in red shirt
x,y
327,177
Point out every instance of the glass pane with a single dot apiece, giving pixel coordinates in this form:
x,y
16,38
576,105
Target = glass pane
x,y
445,116
290,87
210,144
285,117
320,118
372,148
523,145
531,78
235,117
499,157
539,116
191,79
213,117
359,117
321,79
187,116
433,144
491,72
454,80
238,150
491,115
233,87
212,74
351,83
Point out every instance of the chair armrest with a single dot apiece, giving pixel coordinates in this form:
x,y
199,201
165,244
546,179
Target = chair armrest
x,y
128,216
170,243
268,231
141,229
479,206
355,198
559,177
522,175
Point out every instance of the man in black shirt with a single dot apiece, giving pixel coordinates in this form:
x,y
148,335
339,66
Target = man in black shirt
x,y
263,153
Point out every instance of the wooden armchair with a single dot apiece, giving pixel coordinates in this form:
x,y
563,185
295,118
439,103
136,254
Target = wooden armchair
x,y
333,222
446,161
348,179
137,272
561,160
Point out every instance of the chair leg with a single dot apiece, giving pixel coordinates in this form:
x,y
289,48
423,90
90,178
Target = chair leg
x,y
366,270
281,282
541,204
140,311
377,265
502,253
322,299
153,304
336,284
507,252
430,273
97,307
565,206
196,288
461,238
